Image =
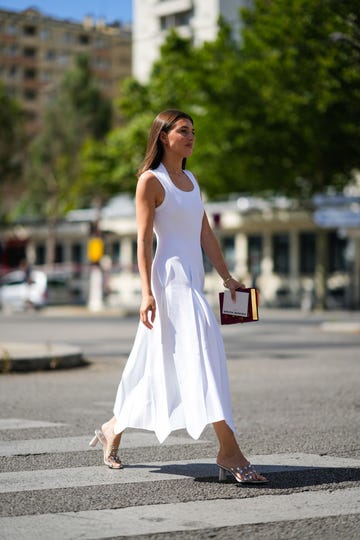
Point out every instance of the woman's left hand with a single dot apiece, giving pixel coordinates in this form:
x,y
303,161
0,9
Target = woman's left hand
x,y
233,284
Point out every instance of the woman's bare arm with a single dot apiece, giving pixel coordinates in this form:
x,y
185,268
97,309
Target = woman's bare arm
x,y
212,249
149,194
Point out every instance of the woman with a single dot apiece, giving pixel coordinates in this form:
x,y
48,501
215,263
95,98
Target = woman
x,y
176,375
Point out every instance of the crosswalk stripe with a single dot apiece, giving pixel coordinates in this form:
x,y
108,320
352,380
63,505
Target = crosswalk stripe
x,y
185,516
23,423
36,480
81,444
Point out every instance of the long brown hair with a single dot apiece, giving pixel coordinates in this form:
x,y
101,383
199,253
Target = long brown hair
x,y
155,149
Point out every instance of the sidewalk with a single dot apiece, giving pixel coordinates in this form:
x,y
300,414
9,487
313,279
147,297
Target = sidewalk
x,y
329,321
38,356
24,356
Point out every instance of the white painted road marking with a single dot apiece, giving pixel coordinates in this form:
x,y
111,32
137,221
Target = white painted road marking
x,y
186,516
158,471
22,423
134,439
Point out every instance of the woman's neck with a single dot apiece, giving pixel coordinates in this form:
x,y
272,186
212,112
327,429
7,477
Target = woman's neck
x,y
173,166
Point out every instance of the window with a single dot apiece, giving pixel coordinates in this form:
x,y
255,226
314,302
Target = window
x,y
115,252
29,73
45,76
307,255
13,50
63,58
45,34
101,63
183,18
29,52
83,39
50,55
40,254
336,252
255,254
176,19
77,253
30,94
67,37
13,72
59,253
11,29
99,43
281,251
29,30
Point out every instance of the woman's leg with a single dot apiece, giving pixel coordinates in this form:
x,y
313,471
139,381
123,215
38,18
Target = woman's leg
x,y
108,430
229,453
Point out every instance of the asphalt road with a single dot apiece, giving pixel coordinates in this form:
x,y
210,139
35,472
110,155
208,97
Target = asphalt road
x,y
296,401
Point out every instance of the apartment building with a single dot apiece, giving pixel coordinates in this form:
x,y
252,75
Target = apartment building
x,y
36,50
196,19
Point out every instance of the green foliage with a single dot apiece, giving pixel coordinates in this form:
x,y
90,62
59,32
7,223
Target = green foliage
x,y
275,111
11,149
303,105
77,111
79,88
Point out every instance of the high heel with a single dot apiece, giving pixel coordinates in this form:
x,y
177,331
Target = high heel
x,y
243,475
222,474
94,440
111,459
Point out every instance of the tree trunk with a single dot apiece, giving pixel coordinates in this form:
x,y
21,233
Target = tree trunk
x,y
321,270
51,242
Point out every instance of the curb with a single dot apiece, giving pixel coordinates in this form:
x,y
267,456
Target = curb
x,y
38,356
343,327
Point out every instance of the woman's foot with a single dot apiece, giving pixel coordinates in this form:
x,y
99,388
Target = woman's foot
x,y
239,467
111,445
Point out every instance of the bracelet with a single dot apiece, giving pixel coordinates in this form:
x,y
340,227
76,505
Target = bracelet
x,y
226,281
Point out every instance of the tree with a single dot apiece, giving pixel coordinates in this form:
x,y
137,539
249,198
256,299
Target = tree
x,y
78,111
275,112
303,99
12,143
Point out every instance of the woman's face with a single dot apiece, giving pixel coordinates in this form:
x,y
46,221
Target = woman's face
x,y
180,139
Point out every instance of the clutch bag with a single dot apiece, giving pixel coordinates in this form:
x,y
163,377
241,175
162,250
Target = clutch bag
x,y
244,309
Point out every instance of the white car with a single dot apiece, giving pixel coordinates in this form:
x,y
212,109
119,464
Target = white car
x,y
19,292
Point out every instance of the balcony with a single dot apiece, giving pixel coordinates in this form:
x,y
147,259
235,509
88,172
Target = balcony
x,y
162,9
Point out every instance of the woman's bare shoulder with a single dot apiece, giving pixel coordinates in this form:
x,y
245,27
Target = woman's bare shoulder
x,y
149,186
148,179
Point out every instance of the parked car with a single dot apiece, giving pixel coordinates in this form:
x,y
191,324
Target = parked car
x,y
20,290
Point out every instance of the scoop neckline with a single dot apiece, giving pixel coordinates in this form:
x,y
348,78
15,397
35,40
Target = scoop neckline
x,y
175,186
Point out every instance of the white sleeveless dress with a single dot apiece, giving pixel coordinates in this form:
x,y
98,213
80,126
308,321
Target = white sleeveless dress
x,y
176,375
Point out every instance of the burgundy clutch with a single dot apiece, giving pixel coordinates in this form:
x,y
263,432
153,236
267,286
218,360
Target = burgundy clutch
x,y
250,315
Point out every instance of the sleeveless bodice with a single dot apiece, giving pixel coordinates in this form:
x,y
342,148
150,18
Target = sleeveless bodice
x,y
177,225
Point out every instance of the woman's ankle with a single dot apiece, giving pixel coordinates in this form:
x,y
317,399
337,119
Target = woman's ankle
x,y
234,458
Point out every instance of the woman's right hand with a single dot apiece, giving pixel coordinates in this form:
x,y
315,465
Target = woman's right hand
x,y
148,306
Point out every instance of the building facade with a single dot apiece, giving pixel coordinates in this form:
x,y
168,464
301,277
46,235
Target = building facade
x,y
196,19
272,244
36,50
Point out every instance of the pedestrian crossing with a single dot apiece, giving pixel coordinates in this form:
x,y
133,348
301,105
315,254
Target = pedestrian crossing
x,y
167,496
188,516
